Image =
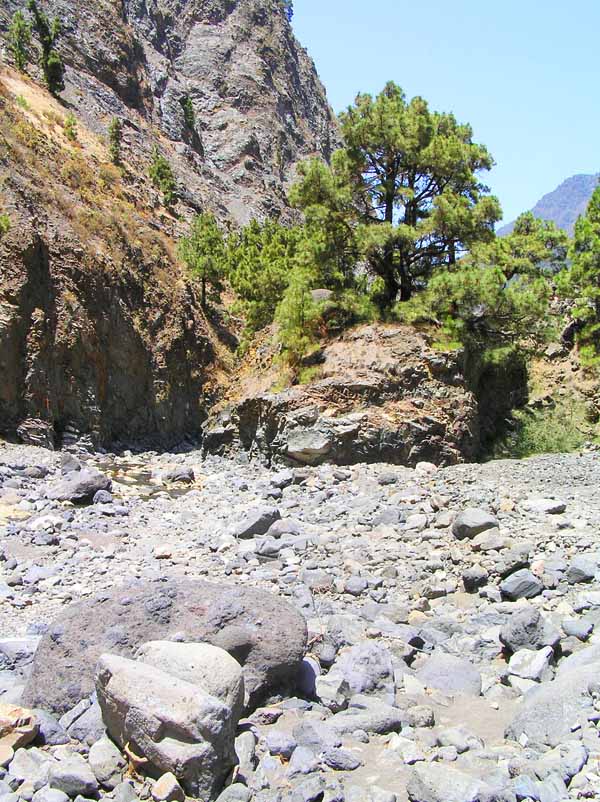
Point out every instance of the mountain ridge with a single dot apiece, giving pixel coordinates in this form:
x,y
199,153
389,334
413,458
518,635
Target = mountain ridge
x,y
564,204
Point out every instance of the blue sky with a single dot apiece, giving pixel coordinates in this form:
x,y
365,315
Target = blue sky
x,y
526,75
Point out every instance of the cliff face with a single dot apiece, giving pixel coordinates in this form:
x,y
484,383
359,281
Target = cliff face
x,y
100,330
258,104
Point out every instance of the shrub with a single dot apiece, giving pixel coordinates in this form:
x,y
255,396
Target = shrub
x,y
161,175
4,224
71,127
48,32
22,103
115,134
188,112
552,430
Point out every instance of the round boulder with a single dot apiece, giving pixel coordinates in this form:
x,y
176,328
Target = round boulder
x,y
265,634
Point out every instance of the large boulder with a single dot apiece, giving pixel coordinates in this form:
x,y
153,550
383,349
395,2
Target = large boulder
x,y
176,726
472,522
552,713
265,634
80,487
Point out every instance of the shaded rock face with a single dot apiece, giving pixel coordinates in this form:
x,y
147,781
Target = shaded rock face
x,y
84,349
266,635
383,395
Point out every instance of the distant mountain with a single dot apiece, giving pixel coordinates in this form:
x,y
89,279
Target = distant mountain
x,y
565,204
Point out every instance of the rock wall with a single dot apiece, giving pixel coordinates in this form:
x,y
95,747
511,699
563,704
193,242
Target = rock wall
x,y
382,395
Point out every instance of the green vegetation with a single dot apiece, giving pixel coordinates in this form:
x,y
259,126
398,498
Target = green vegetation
x,y
115,135
50,61
203,251
161,175
19,39
554,429
398,226
22,102
581,282
4,224
405,189
188,112
71,127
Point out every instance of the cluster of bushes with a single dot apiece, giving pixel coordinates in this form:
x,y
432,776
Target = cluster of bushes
x,y
47,32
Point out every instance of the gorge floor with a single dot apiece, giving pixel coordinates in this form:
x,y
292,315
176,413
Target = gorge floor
x,y
413,584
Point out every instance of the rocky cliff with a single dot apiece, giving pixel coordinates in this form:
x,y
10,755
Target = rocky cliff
x,y
100,330
378,393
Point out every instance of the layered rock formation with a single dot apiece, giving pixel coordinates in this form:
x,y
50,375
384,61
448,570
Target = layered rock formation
x,y
381,394
100,331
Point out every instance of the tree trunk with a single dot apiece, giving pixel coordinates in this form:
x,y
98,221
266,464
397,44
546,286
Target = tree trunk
x,y
406,285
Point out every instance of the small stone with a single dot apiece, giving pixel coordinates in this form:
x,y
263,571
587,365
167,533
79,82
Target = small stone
x,y
472,522
167,789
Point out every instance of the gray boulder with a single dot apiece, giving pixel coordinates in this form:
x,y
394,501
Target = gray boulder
x,y
528,629
522,584
257,521
175,725
435,782
309,446
107,763
472,522
581,569
73,776
265,634
80,487
548,714
451,675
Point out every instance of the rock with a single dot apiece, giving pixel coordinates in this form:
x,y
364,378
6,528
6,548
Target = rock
x,y
18,726
73,776
107,763
474,578
50,795
208,667
581,569
522,584
235,793
451,675
527,628
340,759
367,669
548,714
377,718
472,522
308,446
257,521
578,628
264,633
167,789
549,506
439,783
529,664
176,726
80,487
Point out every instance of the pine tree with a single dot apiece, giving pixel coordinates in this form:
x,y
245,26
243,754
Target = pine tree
x,y
115,133
581,282
296,317
203,251
19,39
51,62
416,200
